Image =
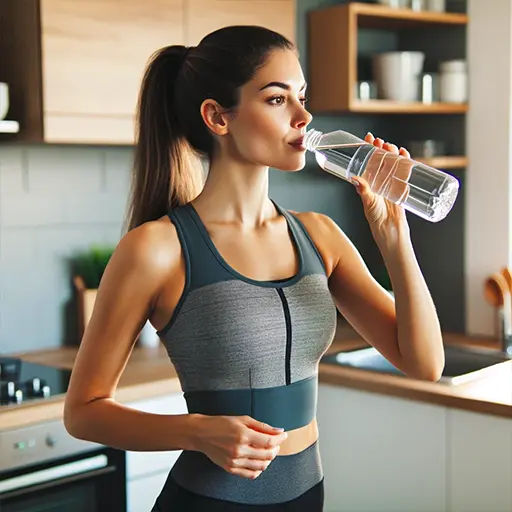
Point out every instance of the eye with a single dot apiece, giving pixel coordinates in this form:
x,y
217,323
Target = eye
x,y
276,100
280,100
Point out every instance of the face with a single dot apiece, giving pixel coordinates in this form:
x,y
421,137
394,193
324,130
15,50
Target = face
x,y
270,120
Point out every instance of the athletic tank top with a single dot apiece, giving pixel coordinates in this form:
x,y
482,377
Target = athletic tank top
x,y
246,347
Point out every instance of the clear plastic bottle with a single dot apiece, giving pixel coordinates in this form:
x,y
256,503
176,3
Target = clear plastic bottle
x,y
423,190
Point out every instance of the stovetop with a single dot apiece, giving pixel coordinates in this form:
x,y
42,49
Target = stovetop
x,y
22,382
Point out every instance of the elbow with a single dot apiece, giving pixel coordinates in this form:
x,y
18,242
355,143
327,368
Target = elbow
x,y
74,421
430,373
70,422
431,376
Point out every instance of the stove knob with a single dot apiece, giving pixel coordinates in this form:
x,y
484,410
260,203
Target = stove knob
x,y
9,394
45,391
18,396
37,388
35,385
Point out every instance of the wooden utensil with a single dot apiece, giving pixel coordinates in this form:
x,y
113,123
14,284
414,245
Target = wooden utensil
x,y
498,294
495,289
507,274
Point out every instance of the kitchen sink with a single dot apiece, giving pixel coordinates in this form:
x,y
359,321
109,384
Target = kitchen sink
x,y
462,364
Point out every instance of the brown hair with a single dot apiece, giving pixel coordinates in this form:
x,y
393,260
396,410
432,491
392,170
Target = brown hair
x,y
170,131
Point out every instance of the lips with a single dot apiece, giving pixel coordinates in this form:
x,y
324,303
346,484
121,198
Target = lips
x,y
297,142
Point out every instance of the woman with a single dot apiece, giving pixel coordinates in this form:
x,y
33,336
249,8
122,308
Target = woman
x,y
242,292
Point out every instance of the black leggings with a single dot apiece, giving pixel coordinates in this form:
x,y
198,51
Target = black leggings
x,y
178,499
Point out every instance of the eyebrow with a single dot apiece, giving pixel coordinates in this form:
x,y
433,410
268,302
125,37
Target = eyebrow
x,y
282,85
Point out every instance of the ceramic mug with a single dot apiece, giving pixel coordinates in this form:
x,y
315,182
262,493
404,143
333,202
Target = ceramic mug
x,y
397,74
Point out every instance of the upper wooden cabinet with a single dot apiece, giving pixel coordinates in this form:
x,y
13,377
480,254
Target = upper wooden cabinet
x,y
74,67
205,16
93,56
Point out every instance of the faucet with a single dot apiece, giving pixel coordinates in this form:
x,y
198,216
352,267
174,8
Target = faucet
x,y
505,330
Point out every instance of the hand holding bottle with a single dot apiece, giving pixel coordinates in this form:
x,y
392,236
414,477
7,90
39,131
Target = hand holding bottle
x,y
387,219
389,173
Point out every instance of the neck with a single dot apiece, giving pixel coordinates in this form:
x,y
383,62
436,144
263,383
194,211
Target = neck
x,y
237,193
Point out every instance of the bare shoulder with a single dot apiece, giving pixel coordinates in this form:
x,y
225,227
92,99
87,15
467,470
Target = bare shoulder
x,y
328,237
317,221
152,248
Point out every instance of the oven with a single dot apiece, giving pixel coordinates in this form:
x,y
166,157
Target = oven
x,y
43,468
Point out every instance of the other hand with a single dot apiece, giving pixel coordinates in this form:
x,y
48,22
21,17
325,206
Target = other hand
x,y
240,445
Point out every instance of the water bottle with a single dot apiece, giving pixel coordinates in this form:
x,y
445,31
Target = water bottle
x,y
420,189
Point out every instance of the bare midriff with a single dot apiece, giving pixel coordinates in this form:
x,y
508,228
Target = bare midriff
x,y
299,439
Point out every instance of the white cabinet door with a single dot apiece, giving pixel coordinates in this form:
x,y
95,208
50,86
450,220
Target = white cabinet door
x,y
145,463
381,453
143,492
480,462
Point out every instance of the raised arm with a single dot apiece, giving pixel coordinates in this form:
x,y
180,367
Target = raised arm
x,y
405,330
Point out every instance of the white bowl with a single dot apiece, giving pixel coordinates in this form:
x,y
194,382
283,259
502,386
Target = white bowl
x,y
4,100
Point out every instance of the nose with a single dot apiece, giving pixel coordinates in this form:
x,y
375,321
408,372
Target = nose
x,y
302,119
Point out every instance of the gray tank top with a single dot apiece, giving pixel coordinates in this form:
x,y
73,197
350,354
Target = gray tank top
x,y
247,347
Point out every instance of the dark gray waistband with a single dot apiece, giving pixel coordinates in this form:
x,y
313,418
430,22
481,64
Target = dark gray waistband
x,y
286,478
289,407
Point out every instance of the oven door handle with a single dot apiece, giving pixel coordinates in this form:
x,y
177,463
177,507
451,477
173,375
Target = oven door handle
x,y
53,477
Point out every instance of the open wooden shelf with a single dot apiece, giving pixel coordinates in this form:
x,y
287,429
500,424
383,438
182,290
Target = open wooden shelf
x,y
333,54
380,16
9,127
444,162
397,107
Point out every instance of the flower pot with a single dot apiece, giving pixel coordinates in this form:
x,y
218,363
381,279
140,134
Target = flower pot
x,y
85,301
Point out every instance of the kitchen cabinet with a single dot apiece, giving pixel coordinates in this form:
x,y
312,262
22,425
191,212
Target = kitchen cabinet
x,y
480,462
75,66
204,16
146,472
381,453
93,56
142,493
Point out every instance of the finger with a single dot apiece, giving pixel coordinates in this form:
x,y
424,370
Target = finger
x,y
363,189
250,464
245,473
371,171
404,152
390,147
378,142
265,441
251,452
369,138
259,426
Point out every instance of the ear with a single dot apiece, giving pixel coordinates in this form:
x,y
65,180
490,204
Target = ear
x,y
215,117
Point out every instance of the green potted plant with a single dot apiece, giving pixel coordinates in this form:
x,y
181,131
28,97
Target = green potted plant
x,y
87,267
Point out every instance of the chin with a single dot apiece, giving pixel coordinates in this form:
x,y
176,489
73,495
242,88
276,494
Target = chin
x,y
290,165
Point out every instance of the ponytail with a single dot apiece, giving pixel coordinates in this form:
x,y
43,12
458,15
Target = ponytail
x,y
165,171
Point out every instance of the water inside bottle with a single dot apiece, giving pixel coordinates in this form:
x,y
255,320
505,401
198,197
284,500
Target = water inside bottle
x,y
417,187
336,158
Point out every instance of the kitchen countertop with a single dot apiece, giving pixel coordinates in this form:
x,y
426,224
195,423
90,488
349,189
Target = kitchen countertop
x,y
149,373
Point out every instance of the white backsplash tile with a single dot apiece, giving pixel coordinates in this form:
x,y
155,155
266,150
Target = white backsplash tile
x,y
53,201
